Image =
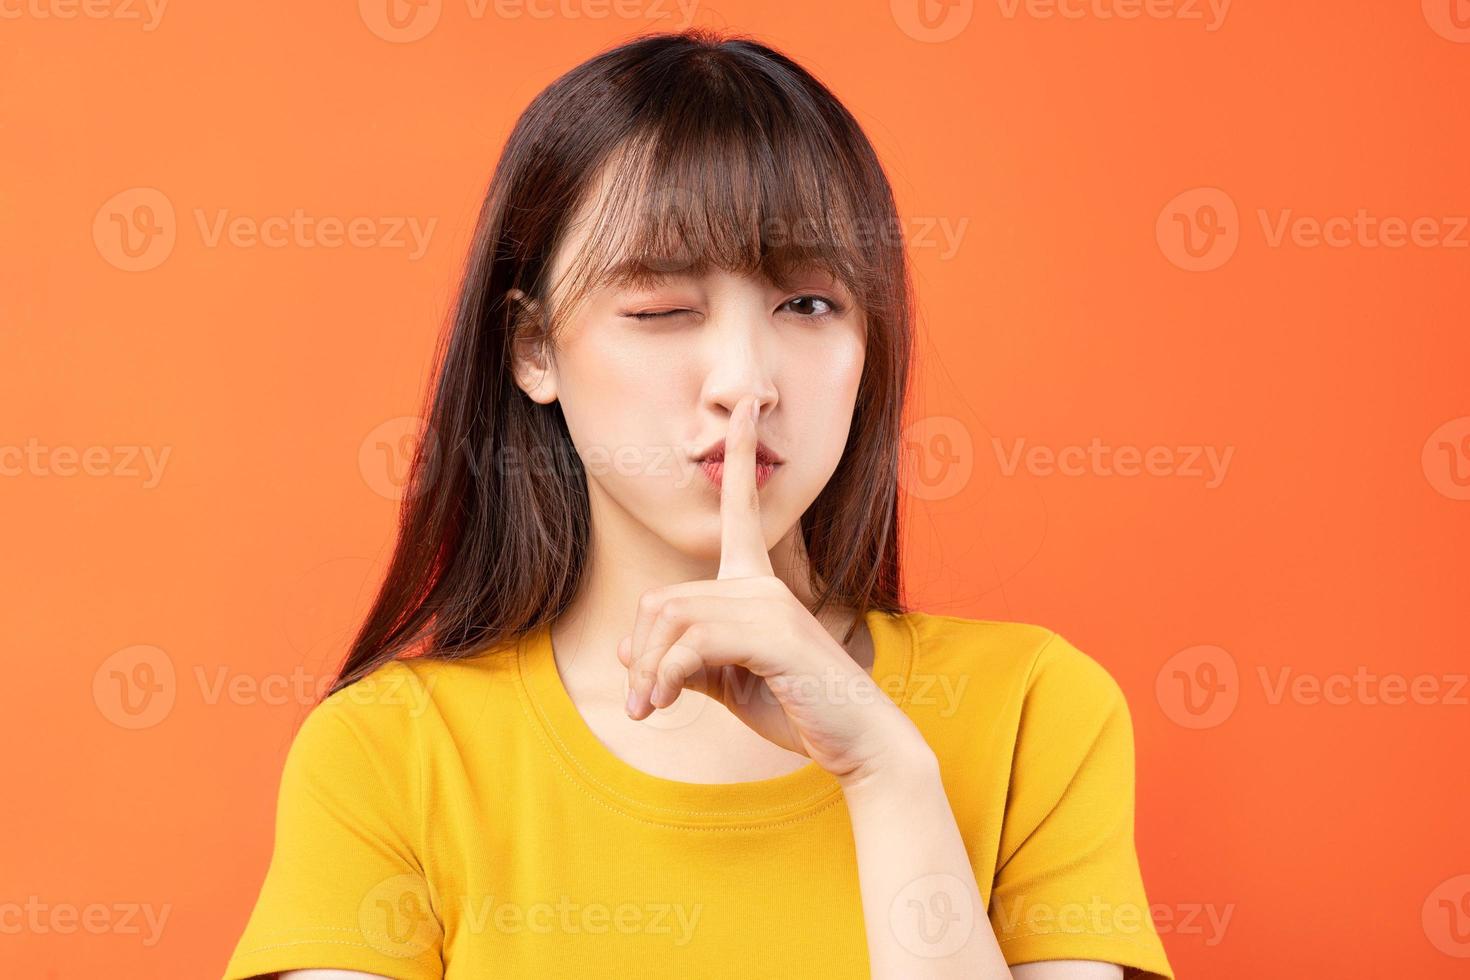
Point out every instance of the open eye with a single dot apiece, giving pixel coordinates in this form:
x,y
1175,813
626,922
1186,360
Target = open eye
x,y
806,304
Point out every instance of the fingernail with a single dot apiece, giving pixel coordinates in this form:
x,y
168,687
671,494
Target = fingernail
x,y
755,409
632,701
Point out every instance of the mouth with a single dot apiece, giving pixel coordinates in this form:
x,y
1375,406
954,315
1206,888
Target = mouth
x,y
712,463
764,455
713,468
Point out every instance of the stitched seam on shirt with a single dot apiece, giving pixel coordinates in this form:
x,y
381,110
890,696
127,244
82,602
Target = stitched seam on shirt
x,y
1036,659
1025,689
314,942
1110,936
712,828
545,735
421,852
581,785
966,621
909,663
544,730
385,782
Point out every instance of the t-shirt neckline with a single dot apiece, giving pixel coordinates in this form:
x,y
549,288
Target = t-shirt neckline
x,y
655,799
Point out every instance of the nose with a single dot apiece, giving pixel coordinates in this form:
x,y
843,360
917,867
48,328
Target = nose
x,y
739,366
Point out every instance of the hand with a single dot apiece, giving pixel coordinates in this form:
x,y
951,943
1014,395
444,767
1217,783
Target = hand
x,y
745,640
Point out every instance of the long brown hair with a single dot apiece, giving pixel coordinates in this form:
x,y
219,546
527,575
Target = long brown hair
x,y
719,150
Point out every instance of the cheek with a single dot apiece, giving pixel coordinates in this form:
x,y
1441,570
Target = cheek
x,y
608,361
824,375
819,394
618,395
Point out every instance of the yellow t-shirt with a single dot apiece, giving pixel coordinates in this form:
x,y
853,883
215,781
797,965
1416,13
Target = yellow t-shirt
x,y
460,819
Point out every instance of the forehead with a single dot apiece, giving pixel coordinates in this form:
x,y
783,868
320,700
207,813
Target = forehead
x,y
619,239
630,273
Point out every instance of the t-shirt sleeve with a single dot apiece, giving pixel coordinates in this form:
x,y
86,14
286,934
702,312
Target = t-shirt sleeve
x,y
1068,884
345,888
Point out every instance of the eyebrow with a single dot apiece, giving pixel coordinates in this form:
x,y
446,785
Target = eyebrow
x,y
633,273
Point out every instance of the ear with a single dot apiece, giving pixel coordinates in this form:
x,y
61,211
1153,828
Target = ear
x,y
531,362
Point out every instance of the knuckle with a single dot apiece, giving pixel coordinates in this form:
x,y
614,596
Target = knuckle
x,y
649,602
674,609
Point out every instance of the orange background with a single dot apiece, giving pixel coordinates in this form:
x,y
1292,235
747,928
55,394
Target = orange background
x,y
1331,834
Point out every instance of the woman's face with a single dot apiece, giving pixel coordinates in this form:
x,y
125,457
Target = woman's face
x,y
648,378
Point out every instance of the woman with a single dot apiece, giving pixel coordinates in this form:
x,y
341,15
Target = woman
x,y
638,695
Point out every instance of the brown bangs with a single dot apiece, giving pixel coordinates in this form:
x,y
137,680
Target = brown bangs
x,y
732,179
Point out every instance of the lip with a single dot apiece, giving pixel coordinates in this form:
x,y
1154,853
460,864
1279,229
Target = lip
x,y
714,470
763,454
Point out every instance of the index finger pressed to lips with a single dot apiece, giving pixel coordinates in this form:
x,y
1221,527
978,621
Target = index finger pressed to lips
x,y
742,543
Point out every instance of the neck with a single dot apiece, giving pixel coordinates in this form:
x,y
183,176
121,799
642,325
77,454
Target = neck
x,y
624,560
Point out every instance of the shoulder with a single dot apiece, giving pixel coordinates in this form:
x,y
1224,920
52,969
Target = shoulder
x,y
409,715
402,695
1020,658
363,733
384,703
987,689
386,728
